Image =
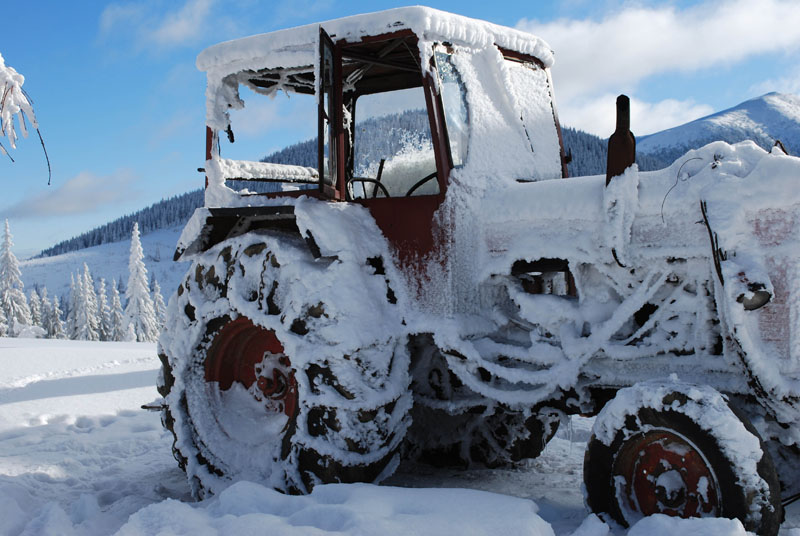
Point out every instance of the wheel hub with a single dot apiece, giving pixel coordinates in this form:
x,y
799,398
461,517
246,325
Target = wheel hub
x,y
252,356
662,472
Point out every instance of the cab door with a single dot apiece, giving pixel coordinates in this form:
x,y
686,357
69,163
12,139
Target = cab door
x,y
401,190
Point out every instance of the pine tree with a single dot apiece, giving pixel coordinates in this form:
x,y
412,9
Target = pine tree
x,y
56,328
3,324
92,308
46,311
70,306
139,309
35,305
12,298
103,313
158,304
119,327
86,323
130,334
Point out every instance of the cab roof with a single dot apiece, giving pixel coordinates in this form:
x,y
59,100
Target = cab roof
x,y
297,47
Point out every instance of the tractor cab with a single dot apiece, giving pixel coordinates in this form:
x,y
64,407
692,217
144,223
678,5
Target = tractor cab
x,y
402,98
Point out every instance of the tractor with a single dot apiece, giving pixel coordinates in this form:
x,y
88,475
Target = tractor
x,y
453,299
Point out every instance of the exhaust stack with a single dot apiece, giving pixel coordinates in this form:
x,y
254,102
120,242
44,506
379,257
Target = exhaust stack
x,y
622,143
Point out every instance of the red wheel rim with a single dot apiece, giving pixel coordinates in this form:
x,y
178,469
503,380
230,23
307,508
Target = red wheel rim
x,y
252,356
662,472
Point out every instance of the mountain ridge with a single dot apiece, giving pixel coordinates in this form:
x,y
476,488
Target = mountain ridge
x,y
763,119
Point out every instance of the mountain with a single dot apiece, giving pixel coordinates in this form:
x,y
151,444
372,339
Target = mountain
x,y
774,116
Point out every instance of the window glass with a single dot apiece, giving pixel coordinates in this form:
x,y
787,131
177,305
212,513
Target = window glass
x,y
328,170
454,98
393,127
529,87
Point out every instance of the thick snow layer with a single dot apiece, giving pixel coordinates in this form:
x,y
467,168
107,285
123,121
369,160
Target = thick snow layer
x,y
661,524
265,170
347,509
753,211
297,47
79,457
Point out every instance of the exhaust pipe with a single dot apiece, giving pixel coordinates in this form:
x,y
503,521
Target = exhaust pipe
x,y
622,143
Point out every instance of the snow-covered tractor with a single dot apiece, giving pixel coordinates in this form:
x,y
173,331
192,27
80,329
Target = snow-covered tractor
x,y
453,299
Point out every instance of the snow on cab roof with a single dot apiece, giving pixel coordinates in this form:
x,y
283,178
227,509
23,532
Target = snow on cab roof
x,y
296,47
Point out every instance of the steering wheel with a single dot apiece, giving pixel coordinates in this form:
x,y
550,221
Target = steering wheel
x,y
420,183
372,181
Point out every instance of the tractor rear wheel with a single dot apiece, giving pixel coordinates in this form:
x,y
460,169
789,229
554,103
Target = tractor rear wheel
x,y
256,386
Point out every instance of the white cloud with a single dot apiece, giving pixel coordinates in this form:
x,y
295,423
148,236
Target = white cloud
x,y
636,42
790,83
597,114
150,27
79,195
115,15
184,25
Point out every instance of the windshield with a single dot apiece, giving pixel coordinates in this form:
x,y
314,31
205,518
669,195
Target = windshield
x,y
392,146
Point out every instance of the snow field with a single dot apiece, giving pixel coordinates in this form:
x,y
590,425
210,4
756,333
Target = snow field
x,y
79,457
77,454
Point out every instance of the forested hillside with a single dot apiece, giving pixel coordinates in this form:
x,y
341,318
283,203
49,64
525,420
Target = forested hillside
x,y
166,213
589,154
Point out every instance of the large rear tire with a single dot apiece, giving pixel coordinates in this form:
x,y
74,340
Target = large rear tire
x,y
264,380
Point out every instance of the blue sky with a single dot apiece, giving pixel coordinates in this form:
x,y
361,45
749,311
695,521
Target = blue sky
x,y
121,105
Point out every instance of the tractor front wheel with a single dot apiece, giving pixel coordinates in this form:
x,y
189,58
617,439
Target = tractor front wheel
x,y
668,460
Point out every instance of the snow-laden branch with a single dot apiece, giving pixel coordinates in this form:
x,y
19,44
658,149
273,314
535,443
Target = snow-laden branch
x,y
13,102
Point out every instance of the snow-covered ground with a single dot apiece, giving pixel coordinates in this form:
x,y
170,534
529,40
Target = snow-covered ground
x,y
79,457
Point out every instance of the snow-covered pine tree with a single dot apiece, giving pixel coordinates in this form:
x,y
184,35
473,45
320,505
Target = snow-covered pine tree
x,y
119,328
159,305
130,334
12,298
46,311
73,299
86,323
3,323
56,328
139,309
35,305
104,313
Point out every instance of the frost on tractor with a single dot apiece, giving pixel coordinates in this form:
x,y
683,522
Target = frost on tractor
x,y
451,297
